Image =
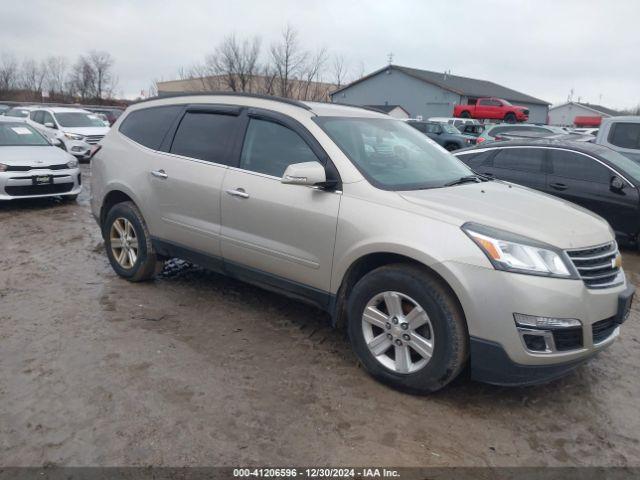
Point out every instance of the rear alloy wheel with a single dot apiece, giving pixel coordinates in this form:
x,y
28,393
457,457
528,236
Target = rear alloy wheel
x,y
398,332
510,118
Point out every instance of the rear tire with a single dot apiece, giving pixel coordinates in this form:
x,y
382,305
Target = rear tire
x,y
465,114
451,147
407,350
510,118
128,243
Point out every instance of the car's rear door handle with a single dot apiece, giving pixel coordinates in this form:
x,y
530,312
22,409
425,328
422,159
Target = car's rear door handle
x,y
558,186
238,192
160,174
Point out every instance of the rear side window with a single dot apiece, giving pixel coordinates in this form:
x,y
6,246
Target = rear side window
x,y
149,126
37,116
479,159
521,159
205,136
270,148
578,167
625,135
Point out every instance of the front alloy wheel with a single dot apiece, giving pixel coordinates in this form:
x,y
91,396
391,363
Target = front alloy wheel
x,y
398,332
124,243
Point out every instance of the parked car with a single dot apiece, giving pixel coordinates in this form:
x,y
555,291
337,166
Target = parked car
x,y
112,114
426,263
585,131
31,167
493,133
472,129
459,123
592,176
78,129
104,119
444,134
4,108
493,109
18,112
621,134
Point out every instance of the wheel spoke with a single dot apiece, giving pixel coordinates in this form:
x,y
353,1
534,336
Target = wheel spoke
x,y
122,256
119,228
132,257
393,303
379,344
421,345
416,318
115,242
128,228
375,317
403,359
133,243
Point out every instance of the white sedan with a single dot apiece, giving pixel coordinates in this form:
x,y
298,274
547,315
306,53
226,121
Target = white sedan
x,y
30,166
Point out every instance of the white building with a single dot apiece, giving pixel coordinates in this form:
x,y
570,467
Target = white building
x,y
565,115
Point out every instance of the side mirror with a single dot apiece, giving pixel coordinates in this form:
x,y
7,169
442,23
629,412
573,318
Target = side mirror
x,y
306,173
49,124
616,184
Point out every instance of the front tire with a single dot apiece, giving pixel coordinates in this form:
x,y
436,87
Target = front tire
x,y
128,243
451,147
465,114
407,329
510,118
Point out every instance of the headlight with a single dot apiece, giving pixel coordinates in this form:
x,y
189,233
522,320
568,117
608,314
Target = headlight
x,y
72,163
74,136
3,167
514,253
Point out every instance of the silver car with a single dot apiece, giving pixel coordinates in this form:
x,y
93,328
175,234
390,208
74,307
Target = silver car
x,y
429,267
30,166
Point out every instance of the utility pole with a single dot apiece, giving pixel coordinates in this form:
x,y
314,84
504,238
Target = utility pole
x,y
390,58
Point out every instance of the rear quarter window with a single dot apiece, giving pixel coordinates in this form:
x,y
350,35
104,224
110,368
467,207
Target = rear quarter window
x,y
625,135
149,126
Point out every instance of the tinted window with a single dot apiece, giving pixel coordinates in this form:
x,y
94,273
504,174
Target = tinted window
x,y
490,103
270,148
149,126
479,159
521,159
420,126
433,128
36,116
625,135
579,167
206,136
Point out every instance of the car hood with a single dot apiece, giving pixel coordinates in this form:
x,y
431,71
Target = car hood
x,y
33,156
515,209
87,130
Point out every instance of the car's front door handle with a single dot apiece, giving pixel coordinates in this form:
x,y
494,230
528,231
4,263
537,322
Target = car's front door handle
x,y
160,174
238,192
558,186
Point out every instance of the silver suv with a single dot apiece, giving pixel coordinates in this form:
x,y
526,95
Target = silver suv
x,y
430,267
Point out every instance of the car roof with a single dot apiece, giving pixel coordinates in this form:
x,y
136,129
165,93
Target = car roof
x,y
63,109
585,147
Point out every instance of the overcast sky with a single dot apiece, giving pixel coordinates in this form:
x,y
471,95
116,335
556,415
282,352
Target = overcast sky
x,y
543,48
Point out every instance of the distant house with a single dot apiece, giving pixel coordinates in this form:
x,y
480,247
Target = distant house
x,y
430,94
579,114
395,111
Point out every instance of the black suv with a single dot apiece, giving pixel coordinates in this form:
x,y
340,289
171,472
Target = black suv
x,y
587,174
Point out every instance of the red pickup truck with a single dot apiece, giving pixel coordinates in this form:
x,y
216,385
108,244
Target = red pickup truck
x,y
492,108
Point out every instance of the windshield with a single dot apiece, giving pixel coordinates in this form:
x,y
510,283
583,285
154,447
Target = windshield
x,y
449,128
393,155
620,161
20,134
17,113
78,119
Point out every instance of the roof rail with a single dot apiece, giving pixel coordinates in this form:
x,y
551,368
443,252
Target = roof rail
x,y
289,101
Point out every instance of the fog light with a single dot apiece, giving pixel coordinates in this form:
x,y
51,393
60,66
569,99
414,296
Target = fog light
x,y
533,321
535,343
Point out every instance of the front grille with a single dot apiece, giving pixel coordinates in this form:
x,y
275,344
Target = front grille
x,y
93,139
24,190
26,168
603,329
567,338
597,266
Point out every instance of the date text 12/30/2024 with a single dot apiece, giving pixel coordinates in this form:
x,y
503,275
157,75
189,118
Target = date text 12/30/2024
x,y
315,473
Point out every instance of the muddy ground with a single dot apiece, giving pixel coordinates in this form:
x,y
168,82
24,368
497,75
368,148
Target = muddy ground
x,y
197,369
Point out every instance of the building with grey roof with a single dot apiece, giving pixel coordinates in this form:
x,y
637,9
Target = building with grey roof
x,y
564,115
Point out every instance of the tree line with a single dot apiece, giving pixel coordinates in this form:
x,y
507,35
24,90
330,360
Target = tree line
x,y
285,68
90,79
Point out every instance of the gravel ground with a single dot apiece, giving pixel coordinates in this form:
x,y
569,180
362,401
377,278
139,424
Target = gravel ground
x,y
197,369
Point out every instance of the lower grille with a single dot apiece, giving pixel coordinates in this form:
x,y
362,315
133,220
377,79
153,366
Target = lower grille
x,y
93,139
567,338
598,266
603,329
24,190
26,168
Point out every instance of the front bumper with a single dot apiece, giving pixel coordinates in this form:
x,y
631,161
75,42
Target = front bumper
x,y
78,148
15,184
489,299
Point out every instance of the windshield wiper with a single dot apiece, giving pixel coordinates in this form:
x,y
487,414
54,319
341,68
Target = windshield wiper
x,y
466,179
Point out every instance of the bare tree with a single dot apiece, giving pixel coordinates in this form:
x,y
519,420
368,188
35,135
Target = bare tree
x,y
56,74
8,72
82,79
339,70
235,62
33,75
311,76
101,62
288,59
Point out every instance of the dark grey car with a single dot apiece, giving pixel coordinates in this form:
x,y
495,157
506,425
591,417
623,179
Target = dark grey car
x,y
446,135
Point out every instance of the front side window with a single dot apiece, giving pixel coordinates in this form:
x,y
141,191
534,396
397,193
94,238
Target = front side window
x,y
36,116
47,118
565,163
78,119
270,148
205,136
520,159
391,154
625,135
20,134
148,126
433,128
